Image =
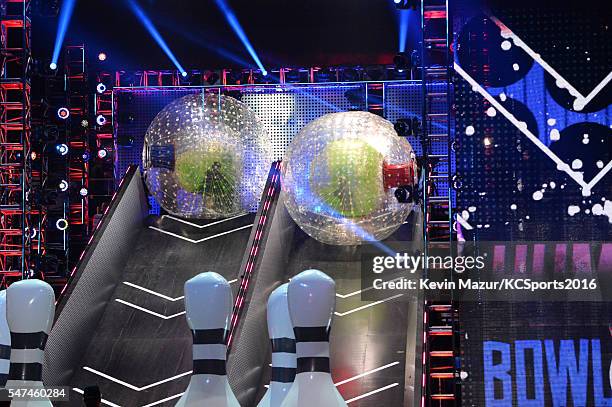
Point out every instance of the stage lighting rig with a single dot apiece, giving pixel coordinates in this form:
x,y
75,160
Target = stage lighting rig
x,y
101,88
61,149
61,224
406,4
408,127
324,75
100,120
63,113
402,61
63,185
211,77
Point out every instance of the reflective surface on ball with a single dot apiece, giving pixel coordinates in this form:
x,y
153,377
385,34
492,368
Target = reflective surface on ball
x,y
206,156
332,181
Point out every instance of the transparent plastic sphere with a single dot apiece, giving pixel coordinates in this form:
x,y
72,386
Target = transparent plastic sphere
x,y
333,178
206,156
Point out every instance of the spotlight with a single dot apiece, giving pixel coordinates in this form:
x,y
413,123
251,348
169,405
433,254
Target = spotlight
x,y
101,120
85,156
148,24
184,74
84,123
62,26
62,149
239,31
63,113
401,61
406,4
61,224
101,88
487,141
63,185
102,153
101,56
83,192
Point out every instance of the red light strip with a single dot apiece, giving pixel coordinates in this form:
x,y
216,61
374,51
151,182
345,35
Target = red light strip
x,y
242,291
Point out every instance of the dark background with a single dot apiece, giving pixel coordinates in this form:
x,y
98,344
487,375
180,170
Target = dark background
x,y
283,32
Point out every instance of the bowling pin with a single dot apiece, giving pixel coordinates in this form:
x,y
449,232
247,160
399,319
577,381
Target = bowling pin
x,y
312,300
5,341
283,348
30,309
208,306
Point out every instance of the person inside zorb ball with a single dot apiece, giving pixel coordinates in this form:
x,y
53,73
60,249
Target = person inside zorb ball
x,y
206,156
348,178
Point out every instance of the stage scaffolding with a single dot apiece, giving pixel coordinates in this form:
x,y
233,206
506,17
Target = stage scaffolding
x,y
20,220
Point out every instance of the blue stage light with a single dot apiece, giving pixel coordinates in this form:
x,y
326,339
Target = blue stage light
x,y
233,21
403,29
62,27
148,24
62,149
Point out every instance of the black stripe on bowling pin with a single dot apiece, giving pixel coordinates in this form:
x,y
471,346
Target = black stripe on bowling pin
x,y
282,374
209,342
31,345
5,341
312,342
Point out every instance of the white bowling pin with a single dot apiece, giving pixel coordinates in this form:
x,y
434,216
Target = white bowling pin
x,y
208,306
30,309
312,300
283,348
5,341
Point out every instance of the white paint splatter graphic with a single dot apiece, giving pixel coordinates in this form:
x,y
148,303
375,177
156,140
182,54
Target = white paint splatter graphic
x,y
576,164
555,135
572,210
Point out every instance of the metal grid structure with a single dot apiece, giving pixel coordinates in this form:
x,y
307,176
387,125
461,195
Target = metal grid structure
x,y
77,139
440,331
102,148
17,218
284,109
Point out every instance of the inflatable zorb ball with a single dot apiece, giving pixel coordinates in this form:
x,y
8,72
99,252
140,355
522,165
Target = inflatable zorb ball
x,y
333,183
206,156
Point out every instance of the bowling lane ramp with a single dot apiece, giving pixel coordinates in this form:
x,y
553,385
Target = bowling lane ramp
x,y
375,347
139,349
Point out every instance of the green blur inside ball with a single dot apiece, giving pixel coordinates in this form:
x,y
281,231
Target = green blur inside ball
x,y
211,173
347,176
